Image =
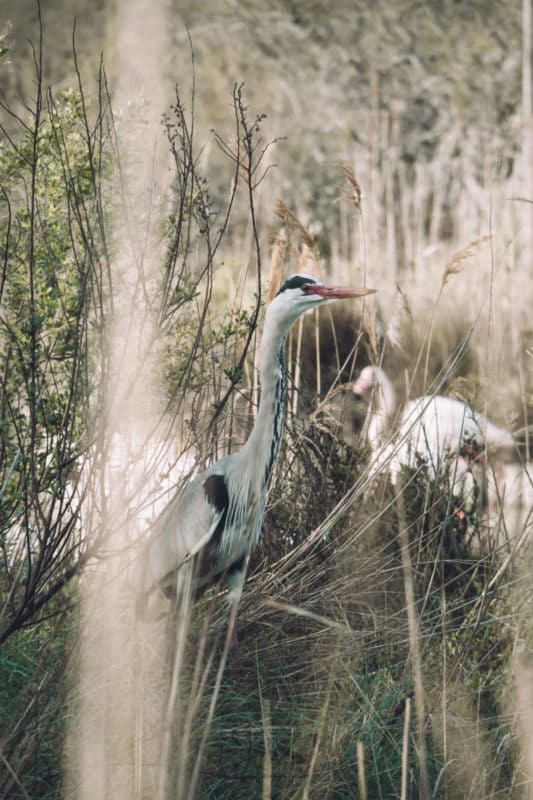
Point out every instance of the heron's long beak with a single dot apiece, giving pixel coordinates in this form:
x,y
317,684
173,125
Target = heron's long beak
x,y
336,292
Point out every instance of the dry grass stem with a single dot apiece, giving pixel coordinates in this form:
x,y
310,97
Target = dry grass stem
x,y
377,629
361,778
455,265
335,391
290,220
267,760
317,356
322,724
277,261
308,261
405,750
297,367
354,195
371,330
414,645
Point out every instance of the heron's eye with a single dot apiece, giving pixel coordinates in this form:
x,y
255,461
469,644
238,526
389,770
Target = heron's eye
x,y
310,288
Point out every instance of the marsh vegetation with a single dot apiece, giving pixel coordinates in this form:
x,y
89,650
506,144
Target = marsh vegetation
x,y
385,633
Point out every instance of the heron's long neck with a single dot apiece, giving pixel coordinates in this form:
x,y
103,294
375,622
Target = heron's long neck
x,y
263,443
382,408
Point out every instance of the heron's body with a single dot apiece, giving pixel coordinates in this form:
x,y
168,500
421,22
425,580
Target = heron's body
x,y
216,520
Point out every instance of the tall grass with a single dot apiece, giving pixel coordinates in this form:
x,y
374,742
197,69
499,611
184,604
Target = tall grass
x,y
384,647
368,631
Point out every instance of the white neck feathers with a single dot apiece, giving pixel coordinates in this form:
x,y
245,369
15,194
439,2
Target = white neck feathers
x,y
260,450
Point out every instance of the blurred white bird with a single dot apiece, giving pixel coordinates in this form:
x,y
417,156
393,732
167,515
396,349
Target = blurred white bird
x,y
442,432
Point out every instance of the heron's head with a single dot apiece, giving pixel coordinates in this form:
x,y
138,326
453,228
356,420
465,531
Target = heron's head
x,y
300,293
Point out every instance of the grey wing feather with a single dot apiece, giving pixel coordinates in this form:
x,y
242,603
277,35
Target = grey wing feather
x,y
183,529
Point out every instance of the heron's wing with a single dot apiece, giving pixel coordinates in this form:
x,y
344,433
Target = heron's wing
x,y
194,518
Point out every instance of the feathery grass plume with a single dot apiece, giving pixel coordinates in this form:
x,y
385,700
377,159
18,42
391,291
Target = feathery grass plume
x,y
354,194
401,309
277,260
291,221
454,265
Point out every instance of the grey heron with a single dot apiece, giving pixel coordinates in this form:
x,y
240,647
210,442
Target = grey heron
x,y
215,521
440,429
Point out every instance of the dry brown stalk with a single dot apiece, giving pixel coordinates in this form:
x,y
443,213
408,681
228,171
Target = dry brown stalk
x,y
297,368
342,387
291,221
370,325
309,265
405,748
354,195
405,303
308,261
277,260
361,770
321,729
267,761
317,353
414,646
464,390
454,265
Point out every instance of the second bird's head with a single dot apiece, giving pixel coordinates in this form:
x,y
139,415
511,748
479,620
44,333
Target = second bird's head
x,y
300,293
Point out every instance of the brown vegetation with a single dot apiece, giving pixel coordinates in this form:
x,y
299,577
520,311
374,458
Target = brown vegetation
x,y
383,649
